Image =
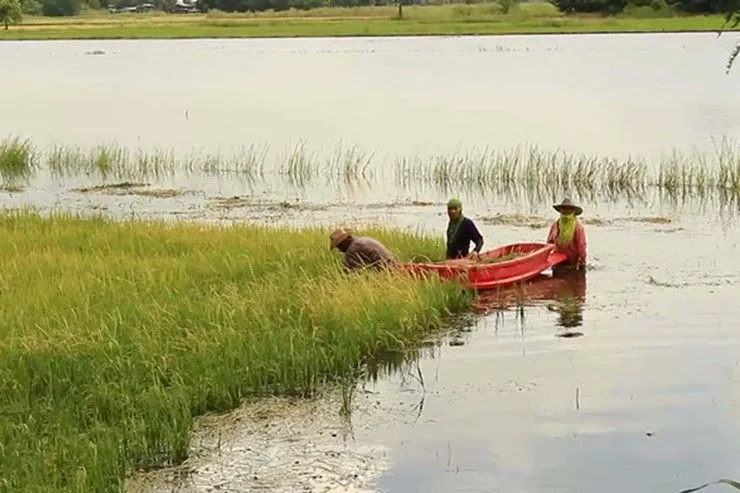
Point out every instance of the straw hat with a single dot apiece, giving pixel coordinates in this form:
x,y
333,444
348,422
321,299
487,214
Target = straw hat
x,y
338,236
568,205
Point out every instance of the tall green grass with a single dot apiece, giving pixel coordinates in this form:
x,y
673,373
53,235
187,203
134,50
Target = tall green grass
x,y
529,168
114,335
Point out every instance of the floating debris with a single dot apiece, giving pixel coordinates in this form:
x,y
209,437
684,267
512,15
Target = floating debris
x,y
650,220
113,186
515,219
131,188
569,335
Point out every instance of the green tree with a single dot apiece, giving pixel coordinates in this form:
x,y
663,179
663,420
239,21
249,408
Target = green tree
x,y
10,12
732,19
59,8
31,7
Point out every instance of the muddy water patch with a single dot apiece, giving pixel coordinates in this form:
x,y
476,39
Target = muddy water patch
x,y
126,185
206,201
402,203
12,188
279,445
708,281
250,202
515,219
649,220
233,195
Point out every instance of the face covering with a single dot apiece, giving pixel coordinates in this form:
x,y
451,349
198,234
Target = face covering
x,y
566,228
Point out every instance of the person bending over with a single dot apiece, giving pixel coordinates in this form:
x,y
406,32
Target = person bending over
x,y
360,251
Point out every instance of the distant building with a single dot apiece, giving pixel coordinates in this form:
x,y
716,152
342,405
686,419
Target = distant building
x,y
186,6
142,7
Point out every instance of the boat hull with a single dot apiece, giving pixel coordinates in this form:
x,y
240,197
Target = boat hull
x,y
536,258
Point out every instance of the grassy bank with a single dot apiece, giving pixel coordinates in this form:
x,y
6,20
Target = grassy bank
x,y
115,335
361,21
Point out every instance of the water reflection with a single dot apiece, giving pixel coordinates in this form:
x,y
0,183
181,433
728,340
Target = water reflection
x,y
565,291
406,364
387,363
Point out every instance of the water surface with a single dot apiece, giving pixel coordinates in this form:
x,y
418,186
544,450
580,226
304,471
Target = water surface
x,y
612,94
641,398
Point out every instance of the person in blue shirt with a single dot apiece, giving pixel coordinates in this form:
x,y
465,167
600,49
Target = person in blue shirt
x,y
461,231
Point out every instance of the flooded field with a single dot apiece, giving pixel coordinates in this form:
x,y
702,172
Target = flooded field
x,y
646,382
626,380
418,95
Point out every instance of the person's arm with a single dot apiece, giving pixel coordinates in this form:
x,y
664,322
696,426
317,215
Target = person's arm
x,y
553,233
580,241
476,237
350,261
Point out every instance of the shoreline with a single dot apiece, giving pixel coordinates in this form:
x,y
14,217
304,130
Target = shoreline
x,y
263,27
340,36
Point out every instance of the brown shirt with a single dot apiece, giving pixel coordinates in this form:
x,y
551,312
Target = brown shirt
x,y
364,251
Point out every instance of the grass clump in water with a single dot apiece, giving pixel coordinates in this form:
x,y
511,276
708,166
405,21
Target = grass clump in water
x,y
529,168
537,172
695,174
110,161
114,335
17,161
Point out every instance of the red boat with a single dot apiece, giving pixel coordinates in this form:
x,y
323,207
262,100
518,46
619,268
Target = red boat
x,y
531,260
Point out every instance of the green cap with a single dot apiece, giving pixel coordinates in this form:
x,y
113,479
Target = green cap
x,y
454,203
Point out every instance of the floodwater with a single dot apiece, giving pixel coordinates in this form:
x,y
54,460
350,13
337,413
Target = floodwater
x,y
642,397
611,94
627,380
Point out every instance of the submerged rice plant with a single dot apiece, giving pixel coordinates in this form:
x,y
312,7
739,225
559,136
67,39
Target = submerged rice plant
x,y
350,165
697,174
529,169
247,161
109,161
298,165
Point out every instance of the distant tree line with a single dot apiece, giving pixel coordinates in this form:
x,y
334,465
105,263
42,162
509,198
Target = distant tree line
x,y
639,7
52,8
73,7
567,6
615,6
58,8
